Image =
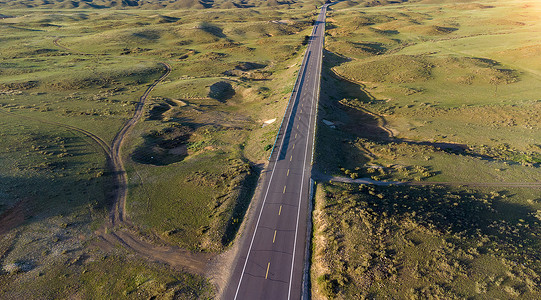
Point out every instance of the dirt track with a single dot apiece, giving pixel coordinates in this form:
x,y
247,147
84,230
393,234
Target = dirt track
x,y
118,213
117,230
174,256
479,184
325,178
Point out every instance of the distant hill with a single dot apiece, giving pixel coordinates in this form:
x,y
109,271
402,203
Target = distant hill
x,y
143,4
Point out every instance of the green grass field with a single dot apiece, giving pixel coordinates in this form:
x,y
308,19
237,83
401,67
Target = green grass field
x,y
437,77
432,91
425,242
192,161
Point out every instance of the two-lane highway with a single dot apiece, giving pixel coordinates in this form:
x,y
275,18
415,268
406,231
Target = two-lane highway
x,y
271,259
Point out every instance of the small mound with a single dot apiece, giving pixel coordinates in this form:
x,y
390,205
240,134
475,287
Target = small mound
x,y
221,91
213,56
228,5
151,35
272,3
471,6
524,52
21,85
383,32
430,29
188,53
247,66
359,21
82,82
161,108
156,111
182,4
167,19
197,36
223,44
345,4
371,3
257,75
391,69
127,51
270,28
379,18
353,49
66,5
211,29
396,25
473,70
246,70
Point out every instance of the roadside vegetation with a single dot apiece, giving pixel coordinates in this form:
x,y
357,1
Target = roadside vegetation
x,y
416,99
440,97
425,242
69,81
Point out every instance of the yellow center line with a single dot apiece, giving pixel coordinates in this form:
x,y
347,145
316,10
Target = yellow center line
x,y
293,147
297,126
291,158
280,210
274,237
287,172
267,274
284,189
295,135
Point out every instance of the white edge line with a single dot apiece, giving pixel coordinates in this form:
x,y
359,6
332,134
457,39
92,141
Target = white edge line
x,y
295,87
318,87
263,205
299,207
255,230
264,200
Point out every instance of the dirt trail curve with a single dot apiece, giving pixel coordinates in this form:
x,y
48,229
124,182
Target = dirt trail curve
x,y
319,176
114,153
118,213
479,184
56,42
99,141
112,233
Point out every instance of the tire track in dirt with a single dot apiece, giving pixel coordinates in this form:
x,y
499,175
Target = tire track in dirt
x,y
118,213
99,141
478,184
326,178
56,42
174,256
117,230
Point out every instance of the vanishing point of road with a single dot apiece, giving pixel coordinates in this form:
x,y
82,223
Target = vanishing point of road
x,y
271,258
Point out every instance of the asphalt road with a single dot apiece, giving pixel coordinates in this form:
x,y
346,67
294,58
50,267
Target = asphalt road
x,y
271,259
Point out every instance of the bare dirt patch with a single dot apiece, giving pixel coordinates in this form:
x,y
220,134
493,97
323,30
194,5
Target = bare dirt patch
x,y
14,216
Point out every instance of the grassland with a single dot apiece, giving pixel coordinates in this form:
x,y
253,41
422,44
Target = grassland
x,y
69,81
424,78
144,4
425,242
90,274
429,92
